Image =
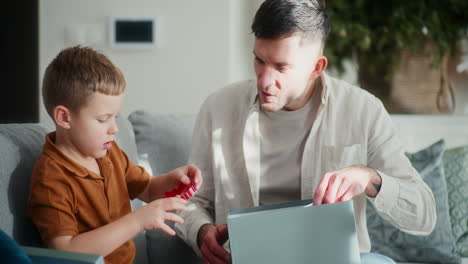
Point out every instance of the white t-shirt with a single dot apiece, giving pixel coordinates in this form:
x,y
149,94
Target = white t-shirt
x,y
282,138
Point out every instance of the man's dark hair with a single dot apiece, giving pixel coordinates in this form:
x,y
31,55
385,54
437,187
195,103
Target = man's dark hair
x,y
283,18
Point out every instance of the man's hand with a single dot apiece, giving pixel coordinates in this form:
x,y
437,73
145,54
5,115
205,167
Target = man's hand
x,y
210,240
345,184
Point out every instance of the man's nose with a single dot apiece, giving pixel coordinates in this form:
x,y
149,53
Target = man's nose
x,y
266,78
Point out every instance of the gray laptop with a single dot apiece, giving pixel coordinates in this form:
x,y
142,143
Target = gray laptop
x,y
294,232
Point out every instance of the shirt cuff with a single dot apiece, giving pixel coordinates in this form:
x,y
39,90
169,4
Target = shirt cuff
x,y
193,235
387,197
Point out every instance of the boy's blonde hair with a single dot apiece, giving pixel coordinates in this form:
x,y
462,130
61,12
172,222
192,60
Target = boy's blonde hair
x,y
75,74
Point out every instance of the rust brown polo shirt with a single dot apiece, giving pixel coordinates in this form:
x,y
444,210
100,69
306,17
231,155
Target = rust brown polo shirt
x,y
67,199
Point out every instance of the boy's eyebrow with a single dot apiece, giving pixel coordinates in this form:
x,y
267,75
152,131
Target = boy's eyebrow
x,y
106,115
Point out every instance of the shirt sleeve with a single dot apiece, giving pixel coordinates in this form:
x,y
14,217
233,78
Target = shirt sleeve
x,y
51,204
404,199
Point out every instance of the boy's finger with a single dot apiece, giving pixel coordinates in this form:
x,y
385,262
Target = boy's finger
x,y
194,173
174,218
166,229
175,204
185,180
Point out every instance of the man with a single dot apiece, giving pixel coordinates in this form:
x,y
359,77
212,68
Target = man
x,y
298,134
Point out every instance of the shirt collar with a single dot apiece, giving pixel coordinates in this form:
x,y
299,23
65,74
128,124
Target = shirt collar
x,y
51,150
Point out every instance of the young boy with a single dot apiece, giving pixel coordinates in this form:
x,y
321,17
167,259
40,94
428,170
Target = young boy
x,y
82,182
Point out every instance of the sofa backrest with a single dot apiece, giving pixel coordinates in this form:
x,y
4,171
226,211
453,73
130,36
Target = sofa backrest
x,y
164,139
20,146
419,131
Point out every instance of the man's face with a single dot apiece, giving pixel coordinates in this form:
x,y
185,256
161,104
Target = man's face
x,y
284,67
93,127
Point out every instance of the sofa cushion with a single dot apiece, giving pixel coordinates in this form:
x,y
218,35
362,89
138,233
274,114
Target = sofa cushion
x,y
438,247
456,173
165,141
20,146
125,138
165,138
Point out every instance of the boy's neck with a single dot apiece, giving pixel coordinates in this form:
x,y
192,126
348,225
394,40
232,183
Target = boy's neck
x,y
66,146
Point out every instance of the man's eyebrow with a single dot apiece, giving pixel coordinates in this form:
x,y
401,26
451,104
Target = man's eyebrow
x,y
277,64
255,55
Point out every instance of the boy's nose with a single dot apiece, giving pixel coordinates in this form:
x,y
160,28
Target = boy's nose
x,y
114,128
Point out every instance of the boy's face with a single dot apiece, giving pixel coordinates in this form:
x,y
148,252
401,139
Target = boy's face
x,y
93,127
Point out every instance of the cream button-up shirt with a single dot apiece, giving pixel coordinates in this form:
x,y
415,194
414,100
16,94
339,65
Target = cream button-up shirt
x,y
351,128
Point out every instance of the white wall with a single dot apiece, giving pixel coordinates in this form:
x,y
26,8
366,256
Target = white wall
x,y
203,45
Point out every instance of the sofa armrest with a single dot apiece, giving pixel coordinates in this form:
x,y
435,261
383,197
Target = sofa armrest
x,y
51,256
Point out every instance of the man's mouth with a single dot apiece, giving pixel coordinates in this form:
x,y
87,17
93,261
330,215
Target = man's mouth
x,y
266,96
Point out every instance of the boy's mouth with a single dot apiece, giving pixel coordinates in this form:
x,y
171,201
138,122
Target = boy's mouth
x,y
108,145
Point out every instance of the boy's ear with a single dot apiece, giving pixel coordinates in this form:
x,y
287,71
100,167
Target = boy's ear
x,y
320,66
62,116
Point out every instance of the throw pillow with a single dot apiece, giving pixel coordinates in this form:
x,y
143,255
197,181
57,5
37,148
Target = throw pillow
x,y
165,138
10,251
456,173
438,247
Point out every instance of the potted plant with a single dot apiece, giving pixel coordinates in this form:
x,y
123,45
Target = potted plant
x,y
401,48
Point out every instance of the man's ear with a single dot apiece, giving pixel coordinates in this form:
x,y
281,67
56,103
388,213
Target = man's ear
x,y
320,66
62,116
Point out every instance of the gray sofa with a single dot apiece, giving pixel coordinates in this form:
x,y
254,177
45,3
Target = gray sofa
x,y
158,142
21,144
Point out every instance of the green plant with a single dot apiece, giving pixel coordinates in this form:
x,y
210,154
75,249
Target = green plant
x,y
373,32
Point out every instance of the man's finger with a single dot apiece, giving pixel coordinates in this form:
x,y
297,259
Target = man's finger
x,y
210,255
205,261
218,251
321,189
353,191
344,187
222,235
346,196
333,185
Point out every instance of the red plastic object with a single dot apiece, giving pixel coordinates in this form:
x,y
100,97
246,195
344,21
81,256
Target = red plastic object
x,y
190,190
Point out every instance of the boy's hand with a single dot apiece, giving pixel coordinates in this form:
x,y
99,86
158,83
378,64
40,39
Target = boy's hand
x,y
188,176
153,215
